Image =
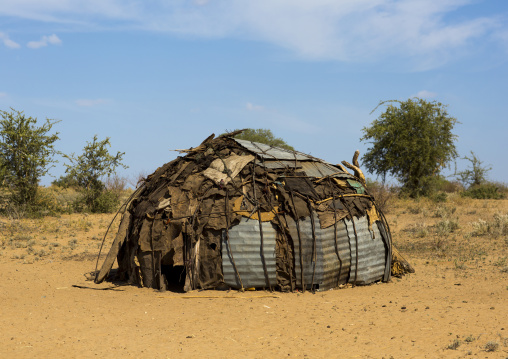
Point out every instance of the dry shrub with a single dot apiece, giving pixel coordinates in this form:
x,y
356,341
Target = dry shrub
x,y
420,207
50,201
139,179
459,200
454,345
447,226
383,194
116,184
444,211
491,346
451,186
497,227
418,230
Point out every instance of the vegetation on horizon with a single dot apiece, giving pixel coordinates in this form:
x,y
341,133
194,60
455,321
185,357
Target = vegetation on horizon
x,y
263,135
27,152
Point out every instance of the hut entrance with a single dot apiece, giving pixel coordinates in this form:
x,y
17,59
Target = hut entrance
x,y
175,277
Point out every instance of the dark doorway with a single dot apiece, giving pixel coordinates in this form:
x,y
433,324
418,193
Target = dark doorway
x,y
175,277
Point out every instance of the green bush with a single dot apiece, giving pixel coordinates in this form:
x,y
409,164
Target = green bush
x,y
45,203
26,154
485,191
443,185
88,170
66,181
106,202
103,202
439,197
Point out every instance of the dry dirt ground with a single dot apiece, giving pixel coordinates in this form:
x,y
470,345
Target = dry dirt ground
x,y
454,306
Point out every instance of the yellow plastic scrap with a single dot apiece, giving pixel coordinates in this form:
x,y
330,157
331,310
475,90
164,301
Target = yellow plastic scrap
x,y
341,183
265,216
372,215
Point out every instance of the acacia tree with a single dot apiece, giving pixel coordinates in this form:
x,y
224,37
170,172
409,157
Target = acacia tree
x,y
476,174
26,154
265,136
412,142
88,170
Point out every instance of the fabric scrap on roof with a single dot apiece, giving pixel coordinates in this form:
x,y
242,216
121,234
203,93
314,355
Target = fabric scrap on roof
x,y
223,170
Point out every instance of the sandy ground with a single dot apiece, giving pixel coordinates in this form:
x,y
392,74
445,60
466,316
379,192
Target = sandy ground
x,y
43,314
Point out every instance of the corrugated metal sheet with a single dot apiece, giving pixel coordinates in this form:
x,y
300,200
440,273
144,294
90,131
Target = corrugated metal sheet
x,y
372,252
334,254
245,243
371,259
280,158
320,169
269,152
280,164
309,257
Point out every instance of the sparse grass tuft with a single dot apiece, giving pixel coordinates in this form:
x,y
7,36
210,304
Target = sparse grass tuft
x,y
470,339
419,230
41,253
491,346
454,345
501,262
444,228
20,241
417,209
460,265
72,244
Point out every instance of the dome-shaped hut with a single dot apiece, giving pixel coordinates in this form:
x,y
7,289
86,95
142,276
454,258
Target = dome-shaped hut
x,y
240,214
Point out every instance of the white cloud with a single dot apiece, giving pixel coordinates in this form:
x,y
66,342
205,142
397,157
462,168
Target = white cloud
x,y
251,107
8,42
90,102
425,94
45,41
3,94
425,31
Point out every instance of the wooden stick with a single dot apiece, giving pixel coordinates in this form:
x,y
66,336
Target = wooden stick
x,y
218,297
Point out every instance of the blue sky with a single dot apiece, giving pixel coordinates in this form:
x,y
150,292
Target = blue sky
x,y
161,75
